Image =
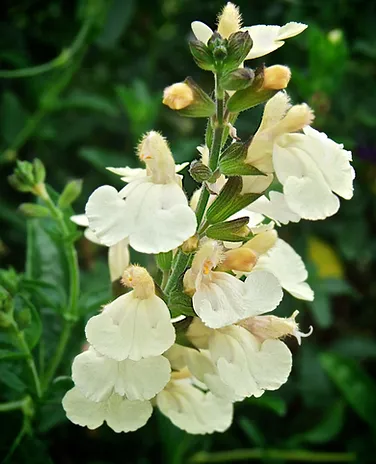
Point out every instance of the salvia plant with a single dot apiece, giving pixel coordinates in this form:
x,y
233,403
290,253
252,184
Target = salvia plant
x,y
196,336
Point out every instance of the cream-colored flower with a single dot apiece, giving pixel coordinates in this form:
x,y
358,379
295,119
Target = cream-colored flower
x,y
265,39
118,255
98,377
152,211
135,325
246,366
312,169
221,299
178,96
120,414
193,410
279,118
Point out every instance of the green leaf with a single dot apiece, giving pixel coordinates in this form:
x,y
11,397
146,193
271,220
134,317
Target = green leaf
x,y
356,386
12,115
10,378
179,302
8,354
232,162
321,309
248,98
164,260
231,231
229,201
33,330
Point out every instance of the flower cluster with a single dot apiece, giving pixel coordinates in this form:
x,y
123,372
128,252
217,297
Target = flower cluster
x,y
198,336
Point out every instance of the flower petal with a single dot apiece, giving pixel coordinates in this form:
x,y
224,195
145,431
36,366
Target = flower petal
x,y
262,293
288,267
106,212
132,328
118,259
163,219
291,30
126,416
274,208
94,375
142,380
82,411
264,40
219,301
201,31
194,411
271,366
80,220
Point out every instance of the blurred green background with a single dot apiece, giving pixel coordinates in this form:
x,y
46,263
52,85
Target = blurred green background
x,y
101,91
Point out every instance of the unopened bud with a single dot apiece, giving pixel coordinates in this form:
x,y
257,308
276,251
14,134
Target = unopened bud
x,y
263,242
34,210
239,79
276,77
239,259
190,245
70,193
296,118
178,96
140,281
199,171
229,21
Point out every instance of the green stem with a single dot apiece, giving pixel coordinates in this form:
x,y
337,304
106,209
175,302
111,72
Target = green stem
x,y
180,263
284,455
13,405
70,314
65,56
29,358
165,275
181,260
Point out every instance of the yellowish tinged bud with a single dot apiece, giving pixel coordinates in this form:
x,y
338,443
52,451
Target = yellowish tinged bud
x,y
178,96
273,327
261,243
138,278
154,151
276,77
229,21
207,257
40,190
190,245
239,259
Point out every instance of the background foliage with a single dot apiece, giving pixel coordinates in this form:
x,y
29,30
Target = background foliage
x,y
107,63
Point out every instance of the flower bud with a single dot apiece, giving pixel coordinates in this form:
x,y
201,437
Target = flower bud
x,y
202,55
262,242
229,21
70,193
34,210
239,259
190,245
239,79
138,278
178,96
199,171
29,177
276,77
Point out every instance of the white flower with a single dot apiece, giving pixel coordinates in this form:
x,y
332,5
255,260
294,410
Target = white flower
x,y
135,325
152,211
193,410
279,117
245,365
312,169
221,299
98,377
283,261
274,207
120,414
118,255
265,39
